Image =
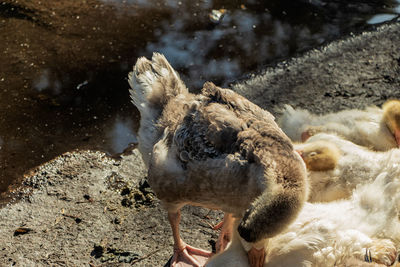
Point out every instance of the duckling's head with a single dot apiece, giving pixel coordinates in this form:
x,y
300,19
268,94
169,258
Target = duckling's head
x,y
391,116
320,155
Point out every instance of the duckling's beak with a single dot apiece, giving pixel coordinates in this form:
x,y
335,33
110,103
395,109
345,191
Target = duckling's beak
x,y
300,153
305,135
397,136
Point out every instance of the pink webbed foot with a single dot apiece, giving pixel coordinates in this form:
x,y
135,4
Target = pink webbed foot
x,y
310,131
225,235
382,251
218,225
189,256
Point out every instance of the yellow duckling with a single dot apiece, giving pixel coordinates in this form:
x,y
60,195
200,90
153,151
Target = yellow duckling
x,y
376,128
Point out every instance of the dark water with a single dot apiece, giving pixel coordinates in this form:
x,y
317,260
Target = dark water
x,y
63,64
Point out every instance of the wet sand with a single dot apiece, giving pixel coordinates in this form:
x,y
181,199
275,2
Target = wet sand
x,y
50,102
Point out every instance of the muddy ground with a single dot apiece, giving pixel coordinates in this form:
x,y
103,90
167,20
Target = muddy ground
x,y
63,64
86,209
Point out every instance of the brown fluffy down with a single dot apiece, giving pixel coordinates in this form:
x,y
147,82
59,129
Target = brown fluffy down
x,y
217,150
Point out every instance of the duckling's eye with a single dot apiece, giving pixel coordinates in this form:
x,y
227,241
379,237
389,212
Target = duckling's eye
x,y
312,154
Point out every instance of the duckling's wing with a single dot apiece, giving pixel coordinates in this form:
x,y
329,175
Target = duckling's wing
x,y
235,102
208,132
212,128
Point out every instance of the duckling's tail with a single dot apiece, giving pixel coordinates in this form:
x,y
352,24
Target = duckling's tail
x,y
153,83
294,121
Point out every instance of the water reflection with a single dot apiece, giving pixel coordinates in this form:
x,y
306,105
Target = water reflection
x,y
121,134
392,13
253,33
63,64
379,18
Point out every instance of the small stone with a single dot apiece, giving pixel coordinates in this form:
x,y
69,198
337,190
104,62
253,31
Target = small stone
x,y
97,251
125,191
22,231
126,202
217,15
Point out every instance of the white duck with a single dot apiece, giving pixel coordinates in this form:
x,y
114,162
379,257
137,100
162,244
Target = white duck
x,y
339,233
337,166
373,127
215,150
